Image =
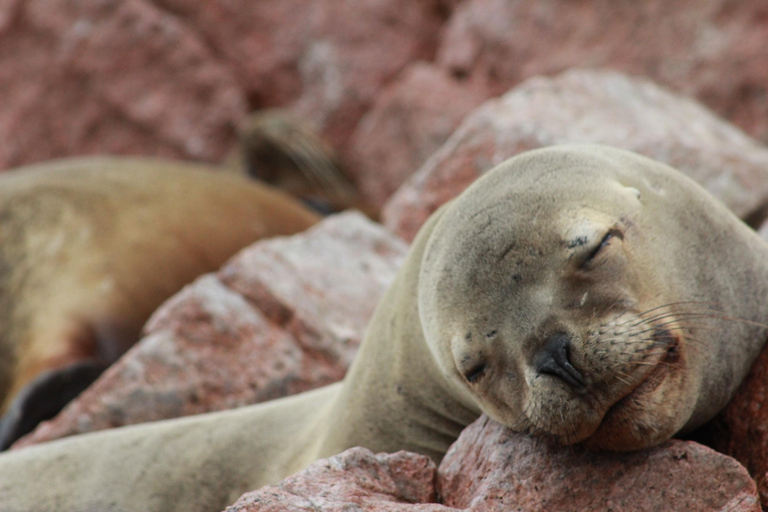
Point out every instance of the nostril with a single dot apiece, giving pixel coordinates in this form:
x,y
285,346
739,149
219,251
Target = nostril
x,y
474,373
553,359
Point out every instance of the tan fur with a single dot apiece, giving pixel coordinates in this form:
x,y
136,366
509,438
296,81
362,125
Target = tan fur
x,y
90,247
277,148
490,278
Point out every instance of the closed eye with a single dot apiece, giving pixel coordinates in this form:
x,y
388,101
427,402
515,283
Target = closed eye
x,y
605,242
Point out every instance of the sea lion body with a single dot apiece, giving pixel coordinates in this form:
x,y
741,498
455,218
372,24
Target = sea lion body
x,y
90,247
565,281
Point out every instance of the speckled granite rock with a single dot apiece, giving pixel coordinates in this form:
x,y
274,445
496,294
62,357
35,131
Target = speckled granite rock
x,y
491,469
353,480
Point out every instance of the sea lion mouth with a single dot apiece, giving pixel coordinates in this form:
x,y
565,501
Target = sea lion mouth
x,y
650,382
622,414
671,343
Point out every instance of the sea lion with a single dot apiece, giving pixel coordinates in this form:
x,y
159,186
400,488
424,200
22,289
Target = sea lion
x,y
90,247
282,150
582,293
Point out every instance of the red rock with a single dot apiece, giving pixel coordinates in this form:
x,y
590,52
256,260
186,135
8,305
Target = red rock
x,y
741,430
330,56
713,50
589,106
173,77
353,480
492,469
410,120
109,77
284,316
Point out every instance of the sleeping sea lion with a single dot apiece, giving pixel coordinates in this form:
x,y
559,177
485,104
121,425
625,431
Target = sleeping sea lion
x,y
90,247
582,293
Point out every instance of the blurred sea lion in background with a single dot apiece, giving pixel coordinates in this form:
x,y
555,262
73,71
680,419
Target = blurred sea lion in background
x,y
284,151
89,247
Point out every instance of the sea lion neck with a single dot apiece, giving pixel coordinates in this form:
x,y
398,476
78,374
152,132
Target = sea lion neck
x,y
396,371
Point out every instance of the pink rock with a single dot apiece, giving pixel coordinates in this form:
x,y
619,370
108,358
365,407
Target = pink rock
x,y
355,50
492,469
409,121
713,50
741,430
353,480
173,77
589,106
328,58
109,77
284,316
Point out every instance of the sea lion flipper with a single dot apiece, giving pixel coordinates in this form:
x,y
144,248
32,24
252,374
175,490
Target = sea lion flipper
x,y
44,397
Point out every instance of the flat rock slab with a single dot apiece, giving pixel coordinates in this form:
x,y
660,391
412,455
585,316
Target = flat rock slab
x,y
356,479
283,316
492,469
596,107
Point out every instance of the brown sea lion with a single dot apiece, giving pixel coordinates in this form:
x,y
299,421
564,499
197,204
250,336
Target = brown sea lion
x,y
279,149
582,293
90,247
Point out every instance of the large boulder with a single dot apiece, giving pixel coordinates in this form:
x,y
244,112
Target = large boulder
x,y
712,50
596,107
490,468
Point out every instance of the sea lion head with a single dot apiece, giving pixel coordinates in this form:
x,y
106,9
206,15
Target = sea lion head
x,y
588,294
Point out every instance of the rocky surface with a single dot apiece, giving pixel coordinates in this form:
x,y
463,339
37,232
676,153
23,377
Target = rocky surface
x,y
353,480
589,106
409,121
173,77
712,50
741,430
492,469
283,316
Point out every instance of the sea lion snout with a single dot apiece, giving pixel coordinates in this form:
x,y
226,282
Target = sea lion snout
x,y
554,359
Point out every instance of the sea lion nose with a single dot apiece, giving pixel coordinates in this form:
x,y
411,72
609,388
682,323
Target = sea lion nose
x,y
553,359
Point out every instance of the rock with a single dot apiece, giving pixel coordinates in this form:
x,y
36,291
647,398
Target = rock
x,y
353,480
329,58
409,121
174,77
713,50
741,430
110,77
283,316
589,106
492,469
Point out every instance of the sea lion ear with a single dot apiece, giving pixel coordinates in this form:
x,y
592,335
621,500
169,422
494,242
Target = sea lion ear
x,y
44,397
